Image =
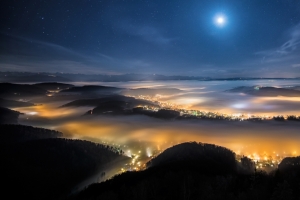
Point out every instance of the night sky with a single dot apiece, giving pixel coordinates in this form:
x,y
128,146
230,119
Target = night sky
x,y
220,38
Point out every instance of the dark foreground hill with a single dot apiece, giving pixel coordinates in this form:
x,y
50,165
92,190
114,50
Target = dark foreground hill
x,y
36,168
11,134
194,171
207,157
290,164
8,116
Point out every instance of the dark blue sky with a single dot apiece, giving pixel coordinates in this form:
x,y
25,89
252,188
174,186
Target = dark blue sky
x,y
261,38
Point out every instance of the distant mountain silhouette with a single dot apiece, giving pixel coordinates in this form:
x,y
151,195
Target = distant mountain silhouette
x,y
65,77
53,86
19,91
115,107
152,91
38,92
13,104
295,88
266,91
69,77
122,105
109,107
8,116
128,102
162,113
94,89
167,114
31,77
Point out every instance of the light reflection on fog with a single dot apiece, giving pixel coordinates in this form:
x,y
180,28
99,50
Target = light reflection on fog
x,y
136,132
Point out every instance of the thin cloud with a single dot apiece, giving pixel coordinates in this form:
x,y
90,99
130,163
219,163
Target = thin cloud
x,y
139,63
27,54
296,65
288,48
38,46
151,34
293,43
106,56
147,33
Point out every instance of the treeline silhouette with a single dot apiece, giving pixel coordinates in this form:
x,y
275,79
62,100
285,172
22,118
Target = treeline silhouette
x,y
15,133
36,165
288,118
188,177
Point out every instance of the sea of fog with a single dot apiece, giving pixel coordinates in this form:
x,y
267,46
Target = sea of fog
x,y
149,135
211,96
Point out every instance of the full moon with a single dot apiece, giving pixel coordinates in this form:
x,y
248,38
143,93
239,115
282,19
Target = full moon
x,y
220,20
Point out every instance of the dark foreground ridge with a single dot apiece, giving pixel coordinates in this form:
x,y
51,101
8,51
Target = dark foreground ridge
x,y
197,171
8,116
208,157
35,164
